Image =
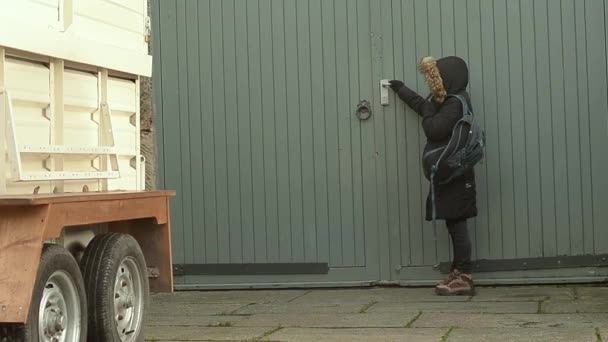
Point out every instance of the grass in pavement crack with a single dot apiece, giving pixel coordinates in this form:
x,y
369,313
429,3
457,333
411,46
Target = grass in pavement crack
x,y
413,320
299,296
267,333
598,336
575,294
367,306
445,337
541,304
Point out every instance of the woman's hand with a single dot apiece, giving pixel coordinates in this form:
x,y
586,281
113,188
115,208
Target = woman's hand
x,y
396,85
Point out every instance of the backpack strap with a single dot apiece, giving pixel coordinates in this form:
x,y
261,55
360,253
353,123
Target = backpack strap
x,y
465,105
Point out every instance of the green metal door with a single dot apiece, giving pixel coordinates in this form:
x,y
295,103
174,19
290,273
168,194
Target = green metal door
x,y
257,106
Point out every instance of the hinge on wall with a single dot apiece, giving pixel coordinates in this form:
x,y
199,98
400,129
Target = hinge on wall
x,y
148,30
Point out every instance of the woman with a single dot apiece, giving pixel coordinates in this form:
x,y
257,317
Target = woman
x,y
455,201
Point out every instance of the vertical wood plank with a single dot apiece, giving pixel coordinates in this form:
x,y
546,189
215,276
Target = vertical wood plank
x,y
293,129
400,241
558,128
495,237
171,104
232,233
344,116
184,123
319,131
355,56
572,121
257,129
218,56
390,135
280,81
518,131
196,238
531,121
306,131
244,129
598,132
504,131
331,124
582,70
545,129
269,119
366,18
477,90
378,17
419,188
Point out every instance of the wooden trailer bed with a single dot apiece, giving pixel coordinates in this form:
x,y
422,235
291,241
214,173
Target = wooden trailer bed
x,y
28,221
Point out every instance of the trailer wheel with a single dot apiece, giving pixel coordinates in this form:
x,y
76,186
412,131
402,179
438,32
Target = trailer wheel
x,y
114,271
58,312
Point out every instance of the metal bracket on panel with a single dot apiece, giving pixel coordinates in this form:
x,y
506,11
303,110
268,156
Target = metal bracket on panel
x,y
133,162
148,30
47,163
11,139
96,163
108,133
95,116
46,112
153,272
133,120
538,263
384,85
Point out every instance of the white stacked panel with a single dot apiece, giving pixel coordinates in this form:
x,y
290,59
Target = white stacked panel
x,y
70,70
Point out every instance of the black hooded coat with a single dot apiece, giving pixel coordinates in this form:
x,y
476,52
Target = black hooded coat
x,y
455,200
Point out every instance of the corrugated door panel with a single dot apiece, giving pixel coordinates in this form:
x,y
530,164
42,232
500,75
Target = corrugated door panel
x,y
535,85
260,134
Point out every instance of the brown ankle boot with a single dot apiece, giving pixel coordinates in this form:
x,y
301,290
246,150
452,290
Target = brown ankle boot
x,y
449,278
460,285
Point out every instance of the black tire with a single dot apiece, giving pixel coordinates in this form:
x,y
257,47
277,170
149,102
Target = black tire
x,y
101,264
54,258
13,333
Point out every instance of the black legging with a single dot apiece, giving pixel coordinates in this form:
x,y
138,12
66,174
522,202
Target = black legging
x,y
461,244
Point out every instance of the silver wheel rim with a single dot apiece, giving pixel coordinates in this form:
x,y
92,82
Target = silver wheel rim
x,y
59,313
128,300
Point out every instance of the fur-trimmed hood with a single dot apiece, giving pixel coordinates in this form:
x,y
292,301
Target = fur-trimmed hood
x,y
447,75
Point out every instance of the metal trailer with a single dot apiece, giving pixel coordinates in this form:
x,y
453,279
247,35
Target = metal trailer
x,y
81,243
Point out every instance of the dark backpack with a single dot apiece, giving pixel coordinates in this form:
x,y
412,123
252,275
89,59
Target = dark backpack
x,y
463,151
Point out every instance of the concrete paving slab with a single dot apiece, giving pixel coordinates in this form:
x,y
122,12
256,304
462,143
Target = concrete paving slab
x,y
335,308
193,320
309,320
522,335
576,306
176,309
464,307
356,335
527,293
387,294
592,293
445,320
228,297
203,333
